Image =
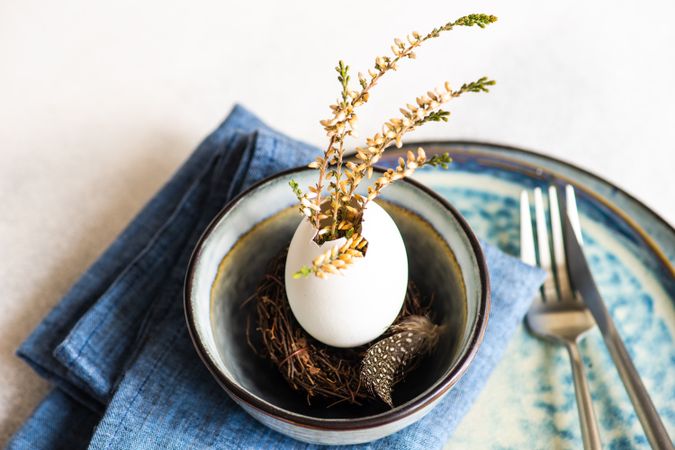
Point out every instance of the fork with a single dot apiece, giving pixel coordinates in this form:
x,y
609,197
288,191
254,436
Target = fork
x,y
557,313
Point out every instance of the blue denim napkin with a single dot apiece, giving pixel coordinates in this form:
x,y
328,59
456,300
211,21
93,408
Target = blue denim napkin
x,y
117,350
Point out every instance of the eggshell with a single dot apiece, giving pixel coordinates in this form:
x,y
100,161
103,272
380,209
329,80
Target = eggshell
x,y
359,304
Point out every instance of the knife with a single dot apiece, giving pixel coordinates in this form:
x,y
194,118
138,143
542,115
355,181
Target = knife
x,y
582,280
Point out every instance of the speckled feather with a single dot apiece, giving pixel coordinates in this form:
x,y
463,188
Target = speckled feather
x,y
386,359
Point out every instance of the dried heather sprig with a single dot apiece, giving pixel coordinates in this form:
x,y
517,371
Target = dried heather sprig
x,y
386,360
405,168
337,258
426,109
305,205
343,211
341,123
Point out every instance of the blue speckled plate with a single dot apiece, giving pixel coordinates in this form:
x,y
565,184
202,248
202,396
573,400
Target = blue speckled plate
x,y
529,401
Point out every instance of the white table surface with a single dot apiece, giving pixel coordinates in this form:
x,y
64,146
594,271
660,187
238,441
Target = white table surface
x,y
101,101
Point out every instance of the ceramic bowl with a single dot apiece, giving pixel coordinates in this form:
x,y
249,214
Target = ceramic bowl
x,y
444,258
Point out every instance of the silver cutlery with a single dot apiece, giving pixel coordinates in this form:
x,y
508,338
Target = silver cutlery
x,y
557,314
582,280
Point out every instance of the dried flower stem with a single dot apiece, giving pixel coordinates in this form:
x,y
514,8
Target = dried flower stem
x,y
427,109
337,258
343,212
342,123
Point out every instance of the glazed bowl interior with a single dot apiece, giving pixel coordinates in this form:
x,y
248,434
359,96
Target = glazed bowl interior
x,y
233,255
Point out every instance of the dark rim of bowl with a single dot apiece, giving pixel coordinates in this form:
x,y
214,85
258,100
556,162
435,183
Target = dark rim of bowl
x,y
415,405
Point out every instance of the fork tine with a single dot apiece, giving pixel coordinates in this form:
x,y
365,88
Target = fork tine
x,y
527,252
549,289
572,212
527,249
559,245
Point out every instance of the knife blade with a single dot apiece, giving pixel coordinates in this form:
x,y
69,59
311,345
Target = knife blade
x,y
582,281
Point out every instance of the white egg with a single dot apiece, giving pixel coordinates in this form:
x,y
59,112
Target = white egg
x,y
359,304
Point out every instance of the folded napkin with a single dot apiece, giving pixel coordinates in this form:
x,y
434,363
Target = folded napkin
x,y
117,350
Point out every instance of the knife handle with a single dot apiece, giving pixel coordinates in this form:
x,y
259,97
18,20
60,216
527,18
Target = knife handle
x,y
644,408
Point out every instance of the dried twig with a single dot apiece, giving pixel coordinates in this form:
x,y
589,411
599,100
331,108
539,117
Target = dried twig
x,y
318,371
344,205
337,258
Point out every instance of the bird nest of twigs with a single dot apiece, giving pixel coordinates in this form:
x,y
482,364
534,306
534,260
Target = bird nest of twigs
x,y
328,374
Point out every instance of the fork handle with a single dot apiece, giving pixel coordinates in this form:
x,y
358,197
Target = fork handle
x,y
589,424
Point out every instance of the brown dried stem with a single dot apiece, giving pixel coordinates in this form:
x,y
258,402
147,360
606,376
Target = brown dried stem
x,y
341,124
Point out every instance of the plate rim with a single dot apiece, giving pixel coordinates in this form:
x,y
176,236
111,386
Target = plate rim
x,y
654,246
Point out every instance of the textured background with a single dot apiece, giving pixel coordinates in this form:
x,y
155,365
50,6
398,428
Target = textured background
x,y
100,102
